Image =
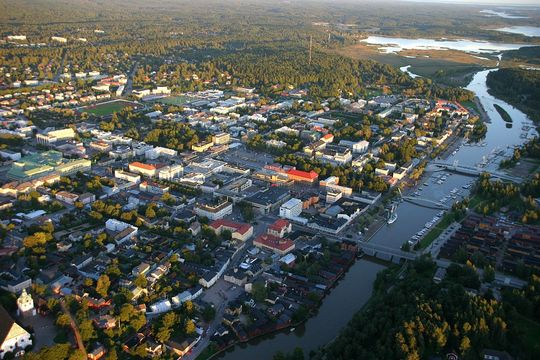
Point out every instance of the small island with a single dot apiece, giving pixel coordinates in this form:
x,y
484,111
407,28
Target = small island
x,y
504,114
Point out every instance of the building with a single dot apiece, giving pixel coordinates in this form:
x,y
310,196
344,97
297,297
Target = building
x,y
239,231
51,136
269,199
25,304
202,146
120,230
100,146
67,197
276,244
221,138
153,187
279,228
125,175
10,155
214,211
13,338
170,172
38,165
302,176
149,170
140,269
158,151
292,208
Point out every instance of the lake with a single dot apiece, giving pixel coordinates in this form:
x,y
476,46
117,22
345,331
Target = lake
x,y
530,31
394,45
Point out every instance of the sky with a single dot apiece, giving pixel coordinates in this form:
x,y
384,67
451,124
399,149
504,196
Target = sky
x,y
486,2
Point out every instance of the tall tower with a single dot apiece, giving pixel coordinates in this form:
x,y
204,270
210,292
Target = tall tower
x,y
310,47
25,304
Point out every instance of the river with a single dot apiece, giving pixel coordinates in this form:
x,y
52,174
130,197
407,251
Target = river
x,y
353,291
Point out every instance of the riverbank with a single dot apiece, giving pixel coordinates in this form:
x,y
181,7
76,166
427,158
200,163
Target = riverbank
x,y
341,261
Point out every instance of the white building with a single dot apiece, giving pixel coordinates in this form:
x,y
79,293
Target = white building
x,y
156,152
170,172
214,211
53,136
25,304
13,338
59,39
291,208
125,175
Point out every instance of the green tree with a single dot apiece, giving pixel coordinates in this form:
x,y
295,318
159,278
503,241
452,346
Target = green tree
x,y
103,284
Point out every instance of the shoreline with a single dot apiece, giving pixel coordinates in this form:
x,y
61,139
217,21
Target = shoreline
x,y
312,311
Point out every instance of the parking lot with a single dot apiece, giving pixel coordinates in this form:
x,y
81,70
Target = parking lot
x,y
247,158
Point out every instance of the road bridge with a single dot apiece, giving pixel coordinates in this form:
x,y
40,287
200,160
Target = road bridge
x,y
474,171
386,253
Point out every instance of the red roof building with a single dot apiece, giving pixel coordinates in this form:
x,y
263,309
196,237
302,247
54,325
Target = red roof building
x,y
274,243
239,231
299,175
280,228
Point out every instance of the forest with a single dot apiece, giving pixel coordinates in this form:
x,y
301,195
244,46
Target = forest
x,y
415,318
519,87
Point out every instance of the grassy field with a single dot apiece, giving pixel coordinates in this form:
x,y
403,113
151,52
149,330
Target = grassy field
x,y
107,108
530,329
437,230
174,100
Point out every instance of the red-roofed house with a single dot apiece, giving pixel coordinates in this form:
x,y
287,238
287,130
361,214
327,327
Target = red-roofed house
x,y
274,243
280,228
240,231
328,138
299,175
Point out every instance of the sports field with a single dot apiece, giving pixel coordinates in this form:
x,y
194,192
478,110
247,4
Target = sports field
x,y
107,108
174,100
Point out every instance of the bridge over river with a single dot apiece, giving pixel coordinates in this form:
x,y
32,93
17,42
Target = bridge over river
x,y
470,170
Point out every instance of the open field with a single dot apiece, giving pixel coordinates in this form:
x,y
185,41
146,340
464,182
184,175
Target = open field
x,y
107,108
174,100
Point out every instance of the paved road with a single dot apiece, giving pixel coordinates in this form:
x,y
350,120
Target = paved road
x,y
61,67
129,85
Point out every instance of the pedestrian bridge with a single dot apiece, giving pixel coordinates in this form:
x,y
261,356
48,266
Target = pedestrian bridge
x,y
474,171
427,203
386,253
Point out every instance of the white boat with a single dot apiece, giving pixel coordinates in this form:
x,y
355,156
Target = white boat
x,y
392,215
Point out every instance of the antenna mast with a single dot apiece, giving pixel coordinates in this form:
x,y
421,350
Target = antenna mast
x,y
310,47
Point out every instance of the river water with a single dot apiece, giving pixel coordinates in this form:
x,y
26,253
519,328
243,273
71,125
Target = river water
x,y
353,291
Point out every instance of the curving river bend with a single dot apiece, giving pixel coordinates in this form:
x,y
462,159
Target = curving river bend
x,y
354,290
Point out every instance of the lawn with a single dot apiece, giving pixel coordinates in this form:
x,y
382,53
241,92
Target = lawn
x,y
445,222
530,330
107,108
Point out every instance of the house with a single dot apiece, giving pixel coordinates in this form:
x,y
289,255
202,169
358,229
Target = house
x,y
279,228
97,352
13,338
140,269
